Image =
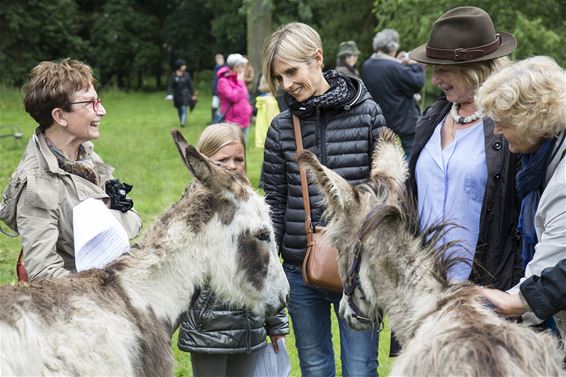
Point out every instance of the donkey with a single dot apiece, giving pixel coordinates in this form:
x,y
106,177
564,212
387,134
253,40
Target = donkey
x,y
386,263
119,320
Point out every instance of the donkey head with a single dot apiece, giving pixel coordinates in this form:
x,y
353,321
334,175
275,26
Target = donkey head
x,y
238,245
348,208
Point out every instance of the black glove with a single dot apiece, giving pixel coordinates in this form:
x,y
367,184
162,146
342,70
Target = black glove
x,y
117,191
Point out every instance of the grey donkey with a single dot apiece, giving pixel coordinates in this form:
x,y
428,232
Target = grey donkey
x,y
119,320
386,263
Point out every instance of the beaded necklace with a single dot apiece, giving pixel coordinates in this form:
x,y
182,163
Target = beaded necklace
x,y
464,120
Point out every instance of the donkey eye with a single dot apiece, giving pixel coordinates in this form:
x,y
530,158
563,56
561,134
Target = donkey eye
x,y
263,235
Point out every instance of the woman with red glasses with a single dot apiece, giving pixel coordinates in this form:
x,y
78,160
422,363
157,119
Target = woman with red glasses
x,y
60,169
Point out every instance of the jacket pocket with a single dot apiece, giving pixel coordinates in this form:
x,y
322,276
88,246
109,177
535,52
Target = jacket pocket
x,y
42,192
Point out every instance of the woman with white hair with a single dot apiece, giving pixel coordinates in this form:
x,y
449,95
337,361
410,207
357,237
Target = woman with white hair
x,y
527,101
233,93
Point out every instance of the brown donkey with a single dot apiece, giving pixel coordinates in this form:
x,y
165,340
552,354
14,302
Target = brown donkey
x,y
385,263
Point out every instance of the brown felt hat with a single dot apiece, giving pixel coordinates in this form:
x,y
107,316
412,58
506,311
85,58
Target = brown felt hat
x,y
464,35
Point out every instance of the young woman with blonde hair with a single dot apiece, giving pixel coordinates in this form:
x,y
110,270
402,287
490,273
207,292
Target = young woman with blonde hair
x,y
339,122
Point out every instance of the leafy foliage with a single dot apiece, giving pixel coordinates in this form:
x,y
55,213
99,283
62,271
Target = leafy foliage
x,y
129,40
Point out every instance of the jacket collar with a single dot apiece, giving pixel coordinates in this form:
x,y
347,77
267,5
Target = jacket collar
x,y
557,155
48,159
357,93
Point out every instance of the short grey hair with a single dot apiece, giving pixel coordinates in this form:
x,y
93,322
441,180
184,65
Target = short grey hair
x,y
235,60
386,40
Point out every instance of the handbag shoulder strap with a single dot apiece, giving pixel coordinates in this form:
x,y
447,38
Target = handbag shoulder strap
x,y
304,183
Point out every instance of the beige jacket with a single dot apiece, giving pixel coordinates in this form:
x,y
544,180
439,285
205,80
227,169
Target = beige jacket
x,y
38,204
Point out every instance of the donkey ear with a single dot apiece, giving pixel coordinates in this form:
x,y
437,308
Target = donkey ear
x,y
340,196
388,157
181,144
211,176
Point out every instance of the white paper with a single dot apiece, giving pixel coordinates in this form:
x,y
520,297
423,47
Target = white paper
x,y
99,237
273,364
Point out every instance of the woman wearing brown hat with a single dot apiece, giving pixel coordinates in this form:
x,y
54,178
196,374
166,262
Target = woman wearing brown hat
x,y
461,172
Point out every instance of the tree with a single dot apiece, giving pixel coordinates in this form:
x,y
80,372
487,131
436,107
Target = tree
x,y
26,39
258,29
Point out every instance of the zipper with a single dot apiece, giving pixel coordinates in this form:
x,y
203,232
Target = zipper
x,y
249,332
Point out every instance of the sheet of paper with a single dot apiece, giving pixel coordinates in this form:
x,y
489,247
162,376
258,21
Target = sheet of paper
x,y
273,364
99,237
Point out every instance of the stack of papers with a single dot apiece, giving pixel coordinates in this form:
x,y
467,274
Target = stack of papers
x,y
99,237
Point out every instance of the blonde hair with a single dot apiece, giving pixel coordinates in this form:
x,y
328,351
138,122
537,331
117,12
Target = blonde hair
x,y
217,136
51,85
292,43
476,73
528,96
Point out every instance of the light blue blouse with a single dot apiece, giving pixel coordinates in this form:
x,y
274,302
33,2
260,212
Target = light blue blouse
x,y
451,183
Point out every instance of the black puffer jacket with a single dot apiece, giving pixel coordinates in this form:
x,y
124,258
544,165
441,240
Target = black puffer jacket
x,y
497,262
213,327
342,136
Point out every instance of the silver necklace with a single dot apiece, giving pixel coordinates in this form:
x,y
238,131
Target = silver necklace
x,y
463,120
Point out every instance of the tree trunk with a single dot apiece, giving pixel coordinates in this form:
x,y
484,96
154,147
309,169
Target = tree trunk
x,y
258,28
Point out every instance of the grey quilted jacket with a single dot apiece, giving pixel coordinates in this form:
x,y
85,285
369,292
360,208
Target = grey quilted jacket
x,y
211,326
342,136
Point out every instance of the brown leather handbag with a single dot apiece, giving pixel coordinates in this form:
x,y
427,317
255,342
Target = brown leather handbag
x,y
320,266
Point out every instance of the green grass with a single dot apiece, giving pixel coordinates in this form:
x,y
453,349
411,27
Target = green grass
x,y
135,140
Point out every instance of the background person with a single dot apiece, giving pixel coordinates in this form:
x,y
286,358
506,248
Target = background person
x,y
528,103
223,340
180,89
343,141
219,59
233,93
267,109
347,58
60,169
460,171
393,84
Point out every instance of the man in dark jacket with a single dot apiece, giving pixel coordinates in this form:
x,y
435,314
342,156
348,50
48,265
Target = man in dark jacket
x,y
394,85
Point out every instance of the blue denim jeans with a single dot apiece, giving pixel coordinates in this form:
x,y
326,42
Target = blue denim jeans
x,y
182,111
310,310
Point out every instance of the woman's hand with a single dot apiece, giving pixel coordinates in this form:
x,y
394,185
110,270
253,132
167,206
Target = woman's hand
x,y
274,339
505,303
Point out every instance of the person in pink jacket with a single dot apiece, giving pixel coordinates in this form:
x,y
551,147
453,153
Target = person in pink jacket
x,y
233,94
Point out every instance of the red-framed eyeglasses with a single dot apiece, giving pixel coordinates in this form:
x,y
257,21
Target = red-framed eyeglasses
x,y
95,103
